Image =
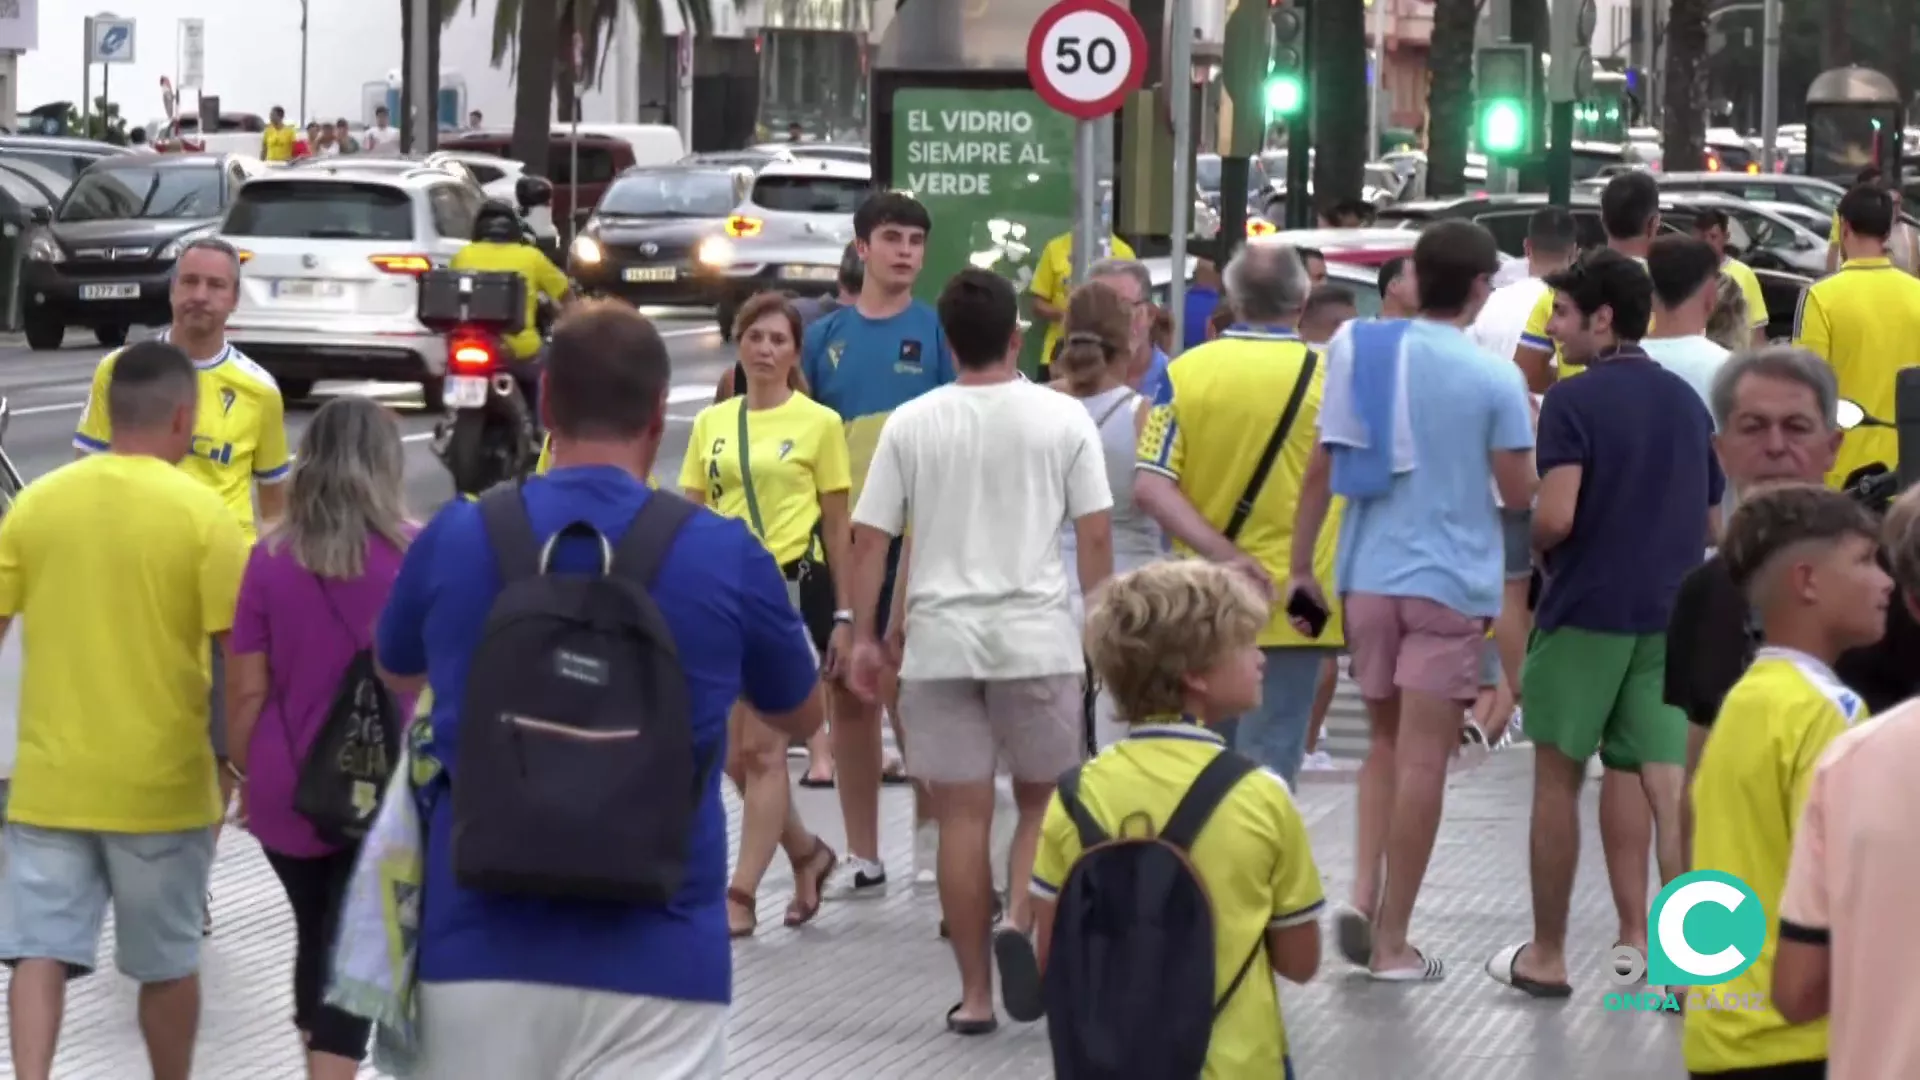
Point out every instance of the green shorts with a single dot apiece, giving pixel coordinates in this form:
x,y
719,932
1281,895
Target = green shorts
x,y
1586,691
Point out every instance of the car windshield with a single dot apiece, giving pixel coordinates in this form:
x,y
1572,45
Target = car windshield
x,y
314,210
811,194
124,194
670,194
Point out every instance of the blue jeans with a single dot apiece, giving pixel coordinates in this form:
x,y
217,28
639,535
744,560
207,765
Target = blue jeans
x,y
1275,734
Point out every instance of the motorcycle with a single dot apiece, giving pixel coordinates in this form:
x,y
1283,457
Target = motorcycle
x,y
489,435
1874,486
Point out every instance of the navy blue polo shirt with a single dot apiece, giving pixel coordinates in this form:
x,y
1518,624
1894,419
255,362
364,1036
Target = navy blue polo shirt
x,y
726,604
1648,475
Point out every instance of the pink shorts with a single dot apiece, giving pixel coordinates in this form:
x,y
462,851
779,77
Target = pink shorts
x,y
1412,643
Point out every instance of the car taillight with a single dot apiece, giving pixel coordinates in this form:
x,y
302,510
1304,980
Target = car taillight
x,y
1753,168
472,355
243,256
741,225
1713,163
402,264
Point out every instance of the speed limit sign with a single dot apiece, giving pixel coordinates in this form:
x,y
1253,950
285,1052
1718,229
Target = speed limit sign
x,y
1086,56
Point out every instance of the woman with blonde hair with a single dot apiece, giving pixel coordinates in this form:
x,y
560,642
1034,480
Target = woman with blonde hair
x,y
1731,325
314,587
777,460
1095,352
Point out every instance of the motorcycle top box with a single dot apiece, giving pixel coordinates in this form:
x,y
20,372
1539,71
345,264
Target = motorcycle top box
x,y
495,301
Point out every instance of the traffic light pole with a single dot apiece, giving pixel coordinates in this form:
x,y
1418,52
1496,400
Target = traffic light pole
x,y
1234,174
1300,130
1560,153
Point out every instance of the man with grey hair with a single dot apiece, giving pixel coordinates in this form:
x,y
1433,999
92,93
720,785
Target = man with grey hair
x,y
239,447
1129,277
1221,464
113,799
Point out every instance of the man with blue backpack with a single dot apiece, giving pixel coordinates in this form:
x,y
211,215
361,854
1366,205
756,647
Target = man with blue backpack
x,y
1172,873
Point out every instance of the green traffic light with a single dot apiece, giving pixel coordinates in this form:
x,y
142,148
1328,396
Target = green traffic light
x,y
1284,95
1503,127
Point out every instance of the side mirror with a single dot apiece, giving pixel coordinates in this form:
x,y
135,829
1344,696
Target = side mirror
x,y
40,215
1850,414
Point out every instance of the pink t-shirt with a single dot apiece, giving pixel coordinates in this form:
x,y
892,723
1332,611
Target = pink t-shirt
x,y
1854,879
309,636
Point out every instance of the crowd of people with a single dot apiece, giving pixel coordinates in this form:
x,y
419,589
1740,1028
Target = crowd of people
x,y
1121,591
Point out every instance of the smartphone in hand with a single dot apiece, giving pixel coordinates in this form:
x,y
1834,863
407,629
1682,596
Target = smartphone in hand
x,y
1302,607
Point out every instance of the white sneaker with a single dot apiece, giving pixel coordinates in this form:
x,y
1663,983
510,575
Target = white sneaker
x,y
1318,761
926,858
856,879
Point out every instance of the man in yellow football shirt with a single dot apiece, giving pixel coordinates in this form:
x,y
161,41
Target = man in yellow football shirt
x,y
239,434
1630,213
1805,558
1053,281
1711,225
121,567
1863,321
277,141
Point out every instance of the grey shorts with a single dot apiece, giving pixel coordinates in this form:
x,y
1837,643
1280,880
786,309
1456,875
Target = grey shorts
x,y
1516,531
57,883
487,1029
217,704
958,730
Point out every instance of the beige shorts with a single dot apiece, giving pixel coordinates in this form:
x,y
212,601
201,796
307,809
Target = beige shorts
x,y
958,730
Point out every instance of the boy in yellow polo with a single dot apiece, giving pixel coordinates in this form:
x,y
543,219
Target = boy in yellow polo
x,y
1176,644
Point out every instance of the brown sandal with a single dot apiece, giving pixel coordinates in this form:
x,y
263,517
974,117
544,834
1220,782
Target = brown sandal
x,y
799,914
746,900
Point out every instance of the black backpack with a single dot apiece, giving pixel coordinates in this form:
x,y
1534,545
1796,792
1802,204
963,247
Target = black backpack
x,y
339,783
1129,985
576,776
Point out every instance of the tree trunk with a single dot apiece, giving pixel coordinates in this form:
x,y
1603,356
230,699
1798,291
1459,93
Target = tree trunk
x,y
1450,94
1836,38
539,44
1684,123
1339,101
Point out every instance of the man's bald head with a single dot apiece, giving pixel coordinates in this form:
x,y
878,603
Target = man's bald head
x,y
1267,282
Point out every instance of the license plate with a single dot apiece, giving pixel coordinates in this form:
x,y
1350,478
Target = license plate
x,y
466,391
308,290
810,273
127,291
649,273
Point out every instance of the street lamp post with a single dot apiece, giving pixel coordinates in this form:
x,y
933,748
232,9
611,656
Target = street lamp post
x,y
303,63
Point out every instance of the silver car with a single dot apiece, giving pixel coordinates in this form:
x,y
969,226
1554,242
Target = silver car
x,y
791,231
329,278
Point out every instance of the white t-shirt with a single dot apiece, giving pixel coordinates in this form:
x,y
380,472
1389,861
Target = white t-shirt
x,y
983,478
1695,358
380,140
1500,323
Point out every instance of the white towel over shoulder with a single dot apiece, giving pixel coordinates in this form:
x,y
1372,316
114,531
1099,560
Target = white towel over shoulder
x,y
1340,421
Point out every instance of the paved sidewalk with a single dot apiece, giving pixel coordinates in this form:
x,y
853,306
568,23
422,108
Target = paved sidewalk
x,y
860,994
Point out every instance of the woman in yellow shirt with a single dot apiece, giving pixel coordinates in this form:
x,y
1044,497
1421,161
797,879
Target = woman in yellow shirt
x,y
777,460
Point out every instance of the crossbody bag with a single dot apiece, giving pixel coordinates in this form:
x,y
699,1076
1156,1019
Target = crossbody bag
x,y
1243,509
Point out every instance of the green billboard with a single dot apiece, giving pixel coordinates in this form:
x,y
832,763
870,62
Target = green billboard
x,y
995,170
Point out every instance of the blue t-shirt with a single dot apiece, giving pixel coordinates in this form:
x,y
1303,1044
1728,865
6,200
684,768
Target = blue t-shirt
x,y
726,605
1436,532
865,368
1154,383
1201,301
1644,443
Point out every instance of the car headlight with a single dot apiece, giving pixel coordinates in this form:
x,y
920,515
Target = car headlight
x,y
179,244
44,248
587,250
714,251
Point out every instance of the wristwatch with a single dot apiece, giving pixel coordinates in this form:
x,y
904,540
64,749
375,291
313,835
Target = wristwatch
x,y
843,617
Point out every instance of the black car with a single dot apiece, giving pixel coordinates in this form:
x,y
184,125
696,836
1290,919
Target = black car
x,y
68,157
1506,216
659,235
105,260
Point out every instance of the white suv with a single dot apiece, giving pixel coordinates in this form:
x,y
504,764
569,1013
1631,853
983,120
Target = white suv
x,y
329,283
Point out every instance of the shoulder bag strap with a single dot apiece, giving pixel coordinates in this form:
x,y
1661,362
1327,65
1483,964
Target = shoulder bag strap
x,y
644,548
1091,834
1100,422
1244,508
510,532
746,474
1259,945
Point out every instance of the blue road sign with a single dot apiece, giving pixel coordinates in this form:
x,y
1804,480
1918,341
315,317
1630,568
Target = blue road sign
x,y
110,40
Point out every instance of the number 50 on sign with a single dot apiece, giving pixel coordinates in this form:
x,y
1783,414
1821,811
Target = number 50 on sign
x,y
1085,56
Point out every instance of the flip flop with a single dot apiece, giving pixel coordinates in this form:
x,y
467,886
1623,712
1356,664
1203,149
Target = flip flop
x,y
1503,968
1019,975
971,1027
1353,935
1430,970
816,782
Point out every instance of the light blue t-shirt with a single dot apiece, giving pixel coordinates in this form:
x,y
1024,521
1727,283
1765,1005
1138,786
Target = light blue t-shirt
x,y
1694,358
1436,532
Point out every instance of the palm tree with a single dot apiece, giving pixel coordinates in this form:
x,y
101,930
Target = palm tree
x,y
1450,94
1684,124
539,35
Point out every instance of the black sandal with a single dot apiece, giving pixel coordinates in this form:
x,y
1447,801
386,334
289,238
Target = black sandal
x,y
971,1027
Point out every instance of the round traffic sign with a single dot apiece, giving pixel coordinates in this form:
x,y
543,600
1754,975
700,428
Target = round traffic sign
x,y
1085,56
